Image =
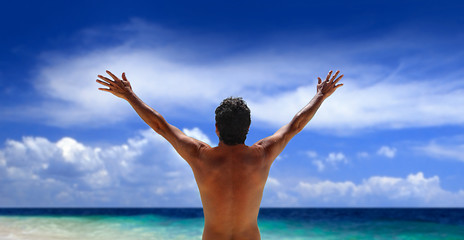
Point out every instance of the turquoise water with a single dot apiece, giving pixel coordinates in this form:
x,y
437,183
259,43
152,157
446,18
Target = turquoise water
x,y
273,224
99,227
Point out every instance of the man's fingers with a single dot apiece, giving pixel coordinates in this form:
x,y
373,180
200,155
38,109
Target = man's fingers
x,y
338,79
105,79
112,75
328,75
103,83
105,89
319,80
339,85
334,76
124,76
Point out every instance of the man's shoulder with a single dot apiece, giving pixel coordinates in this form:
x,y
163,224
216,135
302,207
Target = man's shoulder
x,y
255,150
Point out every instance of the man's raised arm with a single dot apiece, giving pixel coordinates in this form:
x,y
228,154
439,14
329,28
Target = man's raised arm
x,y
187,147
275,144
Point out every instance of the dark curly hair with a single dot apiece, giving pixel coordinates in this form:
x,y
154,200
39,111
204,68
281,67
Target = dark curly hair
x,y
233,120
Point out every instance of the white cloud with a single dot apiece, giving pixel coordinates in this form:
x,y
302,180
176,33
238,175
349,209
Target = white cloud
x,y
197,134
387,151
335,158
384,104
276,194
272,182
174,76
144,171
414,190
319,164
332,158
450,151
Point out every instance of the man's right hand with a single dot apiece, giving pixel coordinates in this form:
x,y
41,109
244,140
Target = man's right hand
x,y
327,87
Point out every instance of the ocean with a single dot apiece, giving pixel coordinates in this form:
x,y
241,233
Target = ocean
x,y
274,223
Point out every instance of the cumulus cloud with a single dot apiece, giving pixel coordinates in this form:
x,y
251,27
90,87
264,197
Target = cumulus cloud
x,y
144,171
184,76
272,182
387,151
413,191
197,134
333,159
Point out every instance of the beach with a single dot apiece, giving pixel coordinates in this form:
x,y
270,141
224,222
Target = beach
x,y
274,223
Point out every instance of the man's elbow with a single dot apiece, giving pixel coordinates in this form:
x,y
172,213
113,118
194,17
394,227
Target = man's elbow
x,y
160,127
295,128
157,128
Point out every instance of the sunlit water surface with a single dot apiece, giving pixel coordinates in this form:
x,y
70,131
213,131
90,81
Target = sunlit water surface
x,y
129,224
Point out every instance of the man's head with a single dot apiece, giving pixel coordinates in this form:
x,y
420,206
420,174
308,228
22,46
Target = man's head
x,y
232,121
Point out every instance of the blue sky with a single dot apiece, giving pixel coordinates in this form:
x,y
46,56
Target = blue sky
x,y
391,136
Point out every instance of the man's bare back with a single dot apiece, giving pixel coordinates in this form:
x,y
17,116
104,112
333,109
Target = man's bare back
x,y
231,180
231,176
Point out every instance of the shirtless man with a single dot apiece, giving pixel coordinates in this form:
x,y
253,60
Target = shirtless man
x,y
231,176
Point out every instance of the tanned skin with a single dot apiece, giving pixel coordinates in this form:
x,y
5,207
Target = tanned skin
x,y
230,178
